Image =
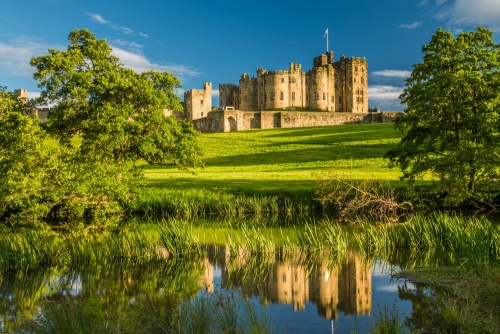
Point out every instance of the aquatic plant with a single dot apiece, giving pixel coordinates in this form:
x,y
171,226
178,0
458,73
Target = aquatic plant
x,y
177,239
222,312
27,250
448,237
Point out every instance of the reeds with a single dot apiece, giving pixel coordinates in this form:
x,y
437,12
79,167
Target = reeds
x,y
326,235
28,250
447,237
203,202
222,312
388,322
177,239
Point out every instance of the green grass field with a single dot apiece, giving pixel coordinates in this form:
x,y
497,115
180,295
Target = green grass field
x,y
290,161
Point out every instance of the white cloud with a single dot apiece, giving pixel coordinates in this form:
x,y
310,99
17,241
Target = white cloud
x,y
130,46
97,18
33,95
467,13
411,26
381,92
385,97
139,63
127,31
15,55
393,73
101,20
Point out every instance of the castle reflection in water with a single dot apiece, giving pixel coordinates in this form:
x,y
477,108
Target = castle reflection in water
x,y
294,279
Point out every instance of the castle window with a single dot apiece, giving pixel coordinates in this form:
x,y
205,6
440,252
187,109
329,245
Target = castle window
x,y
201,101
271,96
333,98
362,80
293,96
316,96
314,81
324,96
202,114
282,96
282,79
354,80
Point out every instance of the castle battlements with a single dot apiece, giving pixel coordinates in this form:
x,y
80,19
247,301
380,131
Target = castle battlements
x,y
329,86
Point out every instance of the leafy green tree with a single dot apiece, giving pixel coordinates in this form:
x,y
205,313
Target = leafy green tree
x,y
453,119
107,119
118,113
30,170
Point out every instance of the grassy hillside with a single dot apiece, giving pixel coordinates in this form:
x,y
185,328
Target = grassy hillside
x,y
266,162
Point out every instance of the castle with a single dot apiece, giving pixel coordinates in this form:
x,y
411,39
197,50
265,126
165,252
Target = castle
x,y
330,93
329,86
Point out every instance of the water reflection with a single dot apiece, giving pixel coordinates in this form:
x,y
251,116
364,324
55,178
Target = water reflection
x,y
286,277
296,279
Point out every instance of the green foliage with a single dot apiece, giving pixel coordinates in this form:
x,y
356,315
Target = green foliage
x,y
448,239
451,127
118,117
119,113
222,312
466,299
388,322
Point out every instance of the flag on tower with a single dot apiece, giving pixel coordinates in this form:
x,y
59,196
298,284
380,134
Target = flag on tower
x,y
326,33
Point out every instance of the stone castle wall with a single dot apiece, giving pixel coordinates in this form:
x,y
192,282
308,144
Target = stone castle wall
x,y
236,120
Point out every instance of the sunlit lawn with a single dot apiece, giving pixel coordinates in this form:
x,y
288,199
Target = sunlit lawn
x,y
285,160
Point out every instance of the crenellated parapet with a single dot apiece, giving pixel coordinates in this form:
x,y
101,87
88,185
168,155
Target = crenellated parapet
x,y
336,89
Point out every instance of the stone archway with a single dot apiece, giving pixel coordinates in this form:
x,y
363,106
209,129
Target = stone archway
x,y
233,124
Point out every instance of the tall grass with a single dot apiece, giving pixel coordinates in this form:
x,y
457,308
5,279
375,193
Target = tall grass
x,y
153,201
222,312
28,250
111,248
388,322
326,235
177,238
446,237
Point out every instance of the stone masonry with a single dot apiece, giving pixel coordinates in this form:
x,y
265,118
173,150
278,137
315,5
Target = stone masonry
x,y
330,93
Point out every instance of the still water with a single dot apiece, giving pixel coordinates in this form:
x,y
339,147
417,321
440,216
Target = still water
x,y
312,295
301,293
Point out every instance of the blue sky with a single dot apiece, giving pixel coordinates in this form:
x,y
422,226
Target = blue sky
x,y
217,41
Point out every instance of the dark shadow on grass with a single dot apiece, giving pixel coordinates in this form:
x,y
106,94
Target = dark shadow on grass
x,y
247,187
319,154
357,131
238,186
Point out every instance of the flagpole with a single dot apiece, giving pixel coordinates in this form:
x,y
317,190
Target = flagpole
x,y
326,34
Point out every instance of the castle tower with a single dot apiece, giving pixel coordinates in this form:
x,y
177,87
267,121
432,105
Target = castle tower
x,y
352,90
248,93
21,94
321,83
197,102
229,96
